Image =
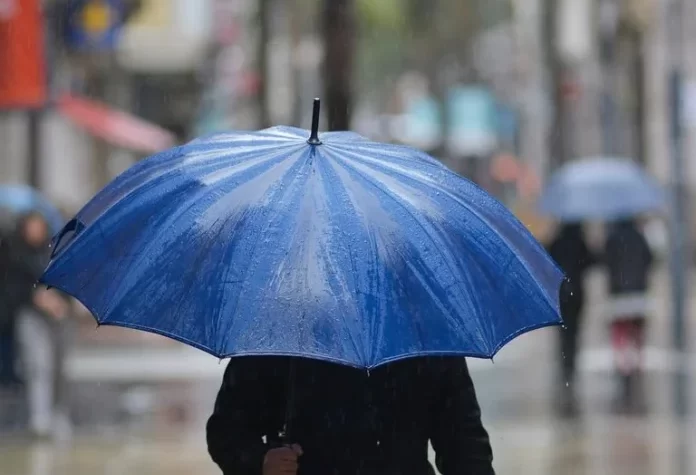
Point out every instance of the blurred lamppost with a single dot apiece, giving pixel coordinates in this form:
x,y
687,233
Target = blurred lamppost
x,y
637,18
264,38
679,221
569,28
609,11
622,24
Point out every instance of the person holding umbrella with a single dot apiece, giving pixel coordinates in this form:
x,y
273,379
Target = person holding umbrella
x,y
613,190
347,280
628,260
570,250
349,421
9,376
39,313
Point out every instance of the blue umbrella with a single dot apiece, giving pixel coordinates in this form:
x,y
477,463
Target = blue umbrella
x,y
334,248
600,188
21,199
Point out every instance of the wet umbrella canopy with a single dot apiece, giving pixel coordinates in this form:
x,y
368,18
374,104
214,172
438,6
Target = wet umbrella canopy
x,y
601,188
334,248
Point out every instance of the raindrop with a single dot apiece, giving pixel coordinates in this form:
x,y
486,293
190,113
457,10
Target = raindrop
x,y
567,384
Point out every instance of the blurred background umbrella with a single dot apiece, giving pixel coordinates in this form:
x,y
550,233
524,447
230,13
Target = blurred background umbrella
x,y
333,248
600,189
20,199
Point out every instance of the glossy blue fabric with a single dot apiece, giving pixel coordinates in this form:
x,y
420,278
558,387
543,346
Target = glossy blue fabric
x,y
601,188
257,243
25,199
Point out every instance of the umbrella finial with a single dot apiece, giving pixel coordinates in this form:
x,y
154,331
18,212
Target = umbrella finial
x,y
314,136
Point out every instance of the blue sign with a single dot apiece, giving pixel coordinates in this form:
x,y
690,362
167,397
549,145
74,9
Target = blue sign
x,y
93,25
472,117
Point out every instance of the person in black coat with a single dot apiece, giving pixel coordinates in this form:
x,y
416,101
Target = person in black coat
x,y
570,251
9,307
345,421
40,312
629,261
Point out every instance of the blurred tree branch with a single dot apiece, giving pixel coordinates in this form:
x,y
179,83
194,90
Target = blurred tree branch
x,y
339,28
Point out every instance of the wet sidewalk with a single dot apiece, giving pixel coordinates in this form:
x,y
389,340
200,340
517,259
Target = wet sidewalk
x,y
142,411
527,437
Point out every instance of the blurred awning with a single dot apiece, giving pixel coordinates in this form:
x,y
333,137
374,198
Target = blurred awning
x,y
115,127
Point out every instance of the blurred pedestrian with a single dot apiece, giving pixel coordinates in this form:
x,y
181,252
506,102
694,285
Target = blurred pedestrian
x,y
8,313
628,259
344,421
38,323
570,251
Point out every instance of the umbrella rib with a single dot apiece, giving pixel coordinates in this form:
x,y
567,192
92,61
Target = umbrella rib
x,y
466,205
170,222
166,167
440,248
253,253
404,207
359,349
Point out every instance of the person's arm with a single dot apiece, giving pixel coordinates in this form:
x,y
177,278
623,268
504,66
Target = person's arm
x,y
460,441
51,303
236,428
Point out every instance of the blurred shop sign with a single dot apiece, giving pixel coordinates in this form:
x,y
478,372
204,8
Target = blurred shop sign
x,y
93,25
473,122
22,64
167,36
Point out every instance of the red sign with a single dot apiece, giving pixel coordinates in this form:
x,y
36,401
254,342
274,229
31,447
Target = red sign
x,y
22,62
114,126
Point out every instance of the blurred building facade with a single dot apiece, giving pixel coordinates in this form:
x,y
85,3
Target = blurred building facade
x,y
139,56
191,66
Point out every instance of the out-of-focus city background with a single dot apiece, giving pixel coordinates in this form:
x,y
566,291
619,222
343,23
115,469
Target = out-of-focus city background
x,y
504,92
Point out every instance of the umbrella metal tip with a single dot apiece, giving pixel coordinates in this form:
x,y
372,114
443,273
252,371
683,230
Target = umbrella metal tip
x,y
314,132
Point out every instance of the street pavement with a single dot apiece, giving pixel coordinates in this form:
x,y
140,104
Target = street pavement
x,y
143,412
